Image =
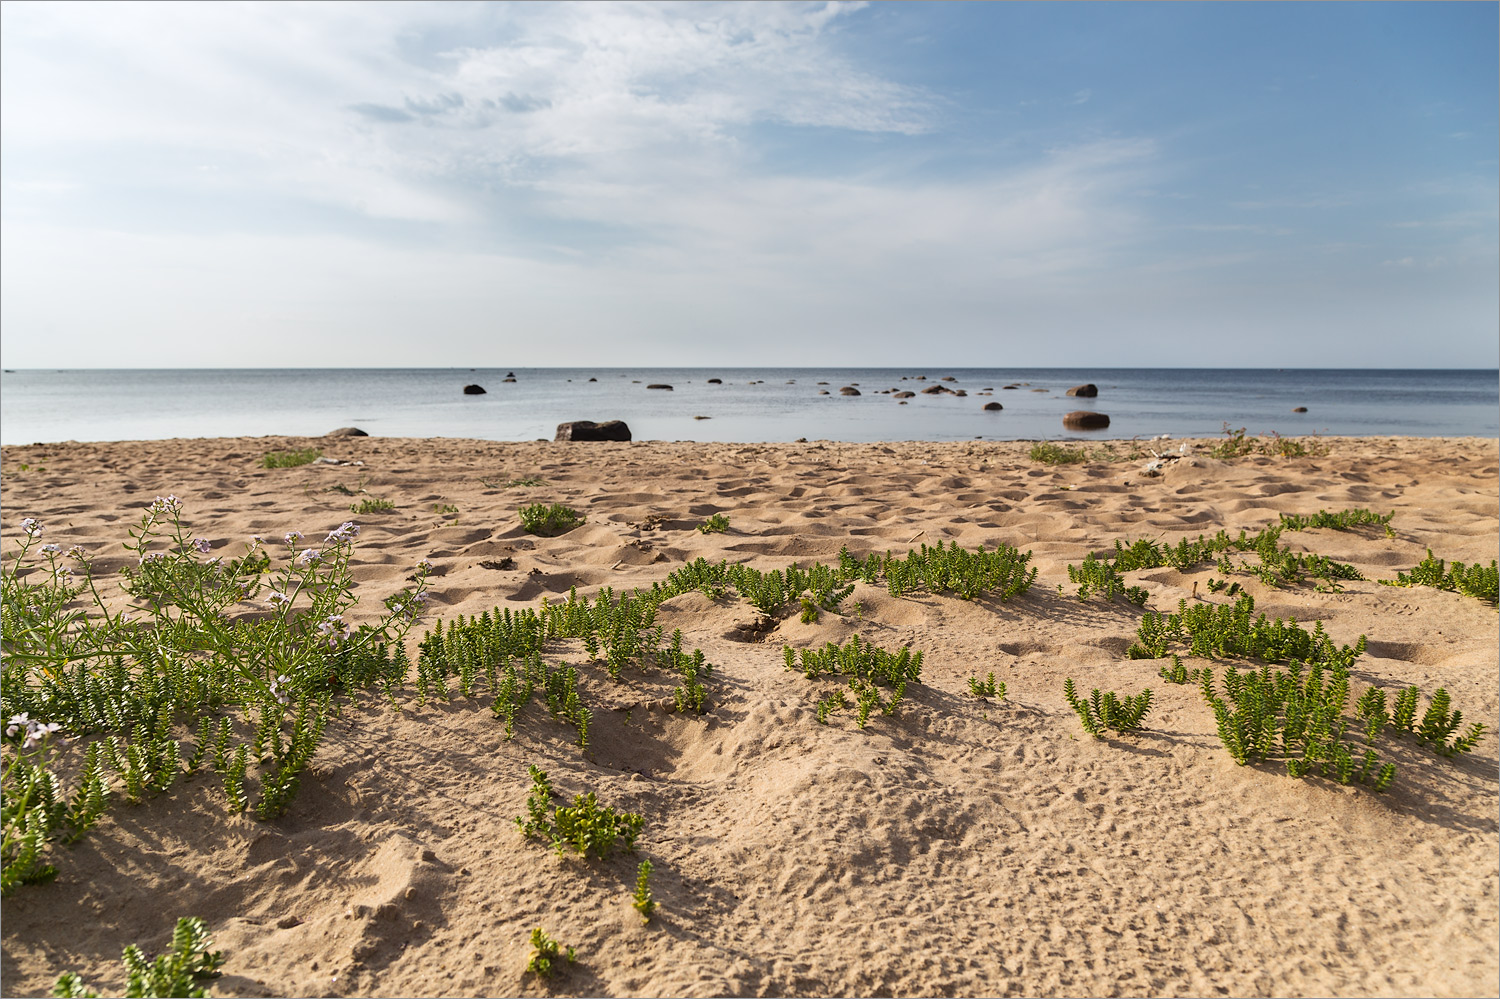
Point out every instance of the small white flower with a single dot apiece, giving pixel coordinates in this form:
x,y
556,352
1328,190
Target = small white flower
x,y
292,537
425,565
310,556
50,550
78,552
276,597
17,723
31,526
203,545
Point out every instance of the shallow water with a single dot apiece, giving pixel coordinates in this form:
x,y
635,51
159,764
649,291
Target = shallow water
x,y
751,404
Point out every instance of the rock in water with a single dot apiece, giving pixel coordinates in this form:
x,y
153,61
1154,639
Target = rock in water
x,y
473,390
346,432
666,387
588,430
993,407
1084,391
1083,419
1300,409
848,390
716,381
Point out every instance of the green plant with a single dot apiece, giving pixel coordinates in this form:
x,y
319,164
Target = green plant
x,y
1280,713
586,827
290,459
1217,631
526,482
987,688
1475,580
1236,445
544,954
644,903
867,666
544,519
1342,520
1056,454
1176,673
1437,723
444,508
1108,711
809,611
177,973
373,504
126,679
717,524
1095,576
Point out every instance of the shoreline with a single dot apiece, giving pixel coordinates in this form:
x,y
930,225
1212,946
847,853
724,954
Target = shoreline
x,y
959,846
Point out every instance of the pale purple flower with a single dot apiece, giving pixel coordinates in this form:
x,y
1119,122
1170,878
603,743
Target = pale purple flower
x,y
347,531
279,688
203,545
310,556
77,551
425,565
420,597
17,723
124,617
334,629
153,557
292,537
50,550
256,541
37,732
166,504
31,526
276,597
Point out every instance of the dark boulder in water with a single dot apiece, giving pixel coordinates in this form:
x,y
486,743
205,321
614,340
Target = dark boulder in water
x,y
903,395
667,388
1084,391
993,407
716,381
588,430
346,432
473,390
1300,409
849,390
1083,419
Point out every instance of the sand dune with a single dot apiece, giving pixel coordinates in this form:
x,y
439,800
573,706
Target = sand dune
x,y
963,847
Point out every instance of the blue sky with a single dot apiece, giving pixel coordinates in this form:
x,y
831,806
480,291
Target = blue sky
x,y
1308,185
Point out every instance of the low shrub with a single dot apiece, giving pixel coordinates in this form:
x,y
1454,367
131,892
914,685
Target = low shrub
x,y
290,459
547,520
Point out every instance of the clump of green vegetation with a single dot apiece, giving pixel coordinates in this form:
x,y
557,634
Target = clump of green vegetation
x,y
585,827
1096,576
177,973
1475,580
1219,630
717,524
1343,520
868,667
1107,710
444,508
1056,454
644,903
1437,723
373,504
1237,445
1177,673
290,459
955,570
987,688
544,954
545,519
132,678
1281,713
525,482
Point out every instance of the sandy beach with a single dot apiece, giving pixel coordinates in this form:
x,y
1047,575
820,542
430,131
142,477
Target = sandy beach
x,y
963,846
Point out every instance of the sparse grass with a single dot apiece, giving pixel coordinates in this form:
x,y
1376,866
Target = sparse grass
x,y
1049,453
1477,581
444,508
291,459
547,520
373,504
987,688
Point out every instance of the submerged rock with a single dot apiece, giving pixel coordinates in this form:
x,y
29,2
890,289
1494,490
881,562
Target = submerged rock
x,y
473,390
1083,419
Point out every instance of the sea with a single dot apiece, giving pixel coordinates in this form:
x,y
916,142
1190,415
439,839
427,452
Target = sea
x,y
743,404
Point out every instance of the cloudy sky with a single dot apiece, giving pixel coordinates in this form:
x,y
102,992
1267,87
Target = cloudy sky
x,y
494,184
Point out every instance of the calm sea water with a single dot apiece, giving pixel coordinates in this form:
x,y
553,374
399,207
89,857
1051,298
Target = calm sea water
x,y
752,404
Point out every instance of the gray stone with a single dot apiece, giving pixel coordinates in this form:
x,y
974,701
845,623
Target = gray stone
x,y
346,432
1084,391
588,430
1083,419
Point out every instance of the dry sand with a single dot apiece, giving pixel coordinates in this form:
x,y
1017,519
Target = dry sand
x,y
961,848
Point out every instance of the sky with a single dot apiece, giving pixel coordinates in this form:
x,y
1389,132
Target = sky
x,y
790,184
